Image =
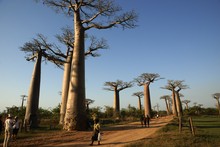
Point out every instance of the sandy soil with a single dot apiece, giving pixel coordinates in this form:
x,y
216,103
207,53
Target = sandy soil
x,y
116,136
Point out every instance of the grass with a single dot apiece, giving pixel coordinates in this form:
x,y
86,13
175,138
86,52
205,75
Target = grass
x,y
207,134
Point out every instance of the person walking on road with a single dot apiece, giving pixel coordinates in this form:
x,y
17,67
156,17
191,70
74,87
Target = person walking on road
x,y
8,130
148,121
96,132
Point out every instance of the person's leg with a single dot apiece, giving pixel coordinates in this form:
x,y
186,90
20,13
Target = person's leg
x,y
7,138
92,142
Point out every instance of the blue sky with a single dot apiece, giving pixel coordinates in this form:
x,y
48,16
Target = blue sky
x,y
178,39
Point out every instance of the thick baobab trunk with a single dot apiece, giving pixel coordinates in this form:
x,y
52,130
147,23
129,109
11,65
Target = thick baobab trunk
x,y
174,103
65,87
178,105
168,111
116,103
139,103
75,117
31,116
147,101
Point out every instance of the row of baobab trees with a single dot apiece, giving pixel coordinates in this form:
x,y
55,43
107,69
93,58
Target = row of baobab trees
x,y
168,102
145,79
70,54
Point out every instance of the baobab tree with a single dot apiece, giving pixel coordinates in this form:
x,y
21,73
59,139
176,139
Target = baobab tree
x,y
31,117
139,95
61,58
117,86
217,97
171,86
179,84
166,98
88,102
86,15
176,86
144,80
38,47
186,102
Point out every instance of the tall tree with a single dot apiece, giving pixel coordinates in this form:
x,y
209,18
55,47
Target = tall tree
x,y
186,102
179,84
166,98
37,48
176,86
50,53
171,86
144,80
86,14
117,86
217,97
139,95
67,38
31,116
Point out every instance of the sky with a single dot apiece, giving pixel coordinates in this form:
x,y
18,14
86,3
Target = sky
x,y
178,39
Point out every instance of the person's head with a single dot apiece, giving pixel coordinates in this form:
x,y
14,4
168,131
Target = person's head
x,y
9,116
96,121
16,118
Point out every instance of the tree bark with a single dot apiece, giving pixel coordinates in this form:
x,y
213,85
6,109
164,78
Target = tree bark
x,y
65,87
147,101
174,103
31,116
75,118
178,105
168,111
116,103
139,103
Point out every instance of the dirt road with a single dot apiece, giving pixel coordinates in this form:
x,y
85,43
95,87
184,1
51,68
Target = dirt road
x,y
112,136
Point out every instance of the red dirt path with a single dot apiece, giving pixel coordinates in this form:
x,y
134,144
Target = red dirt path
x,y
116,136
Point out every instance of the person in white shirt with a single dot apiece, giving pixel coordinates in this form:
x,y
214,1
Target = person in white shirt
x,y
8,130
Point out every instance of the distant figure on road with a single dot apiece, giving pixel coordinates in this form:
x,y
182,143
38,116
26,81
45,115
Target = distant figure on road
x,y
96,132
8,130
148,121
142,120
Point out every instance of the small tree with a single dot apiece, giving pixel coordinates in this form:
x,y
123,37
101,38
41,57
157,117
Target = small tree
x,y
117,86
139,95
88,102
186,102
166,98
144,80
217,97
